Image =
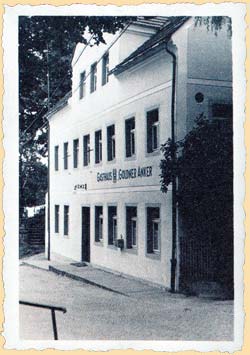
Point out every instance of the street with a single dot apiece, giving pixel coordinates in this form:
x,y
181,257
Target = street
x,y
95,313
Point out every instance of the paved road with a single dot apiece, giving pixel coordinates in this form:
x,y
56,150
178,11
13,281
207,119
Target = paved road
x,y
94,313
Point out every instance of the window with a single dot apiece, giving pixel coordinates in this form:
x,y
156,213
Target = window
x,y
66,220
86,150
105,69
57,218
82,86
111,142
152,130
153,229
65,155
57,158
98,224
130,137
222,111
131,227
98,146
75,152
93,77
112,225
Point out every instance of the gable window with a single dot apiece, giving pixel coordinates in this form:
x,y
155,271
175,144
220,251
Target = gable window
x,y
75,152
222,111
82,87
153,229
131,227
152,130
57,209
66,220
105,69
57,158
98,146
86,150
130,137
98,224
112,225
111,142
93,77
65,154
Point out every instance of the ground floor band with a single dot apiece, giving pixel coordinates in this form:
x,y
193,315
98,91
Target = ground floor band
x,y
127,231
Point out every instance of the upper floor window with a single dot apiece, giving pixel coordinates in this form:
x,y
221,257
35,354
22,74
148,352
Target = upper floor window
x,y
105,69
130,137
82,87
57,158
153,229
152,130
111,142
112,224
93,77
75,152
65,154
86,150
131,227
98,146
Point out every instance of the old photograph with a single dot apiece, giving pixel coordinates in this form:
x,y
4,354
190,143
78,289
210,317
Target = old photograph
x,y
126,140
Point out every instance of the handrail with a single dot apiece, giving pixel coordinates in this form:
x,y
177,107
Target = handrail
x,y
53,315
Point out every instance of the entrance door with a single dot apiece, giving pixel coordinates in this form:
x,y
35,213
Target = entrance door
x,y
85,233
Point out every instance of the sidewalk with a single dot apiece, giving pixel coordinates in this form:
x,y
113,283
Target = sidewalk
x,y
109,281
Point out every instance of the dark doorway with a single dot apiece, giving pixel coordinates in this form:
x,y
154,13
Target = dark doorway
x,y
85,233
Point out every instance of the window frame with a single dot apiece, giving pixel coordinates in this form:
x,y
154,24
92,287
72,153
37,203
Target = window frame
x,y
154,151
65,155
129,245
82,85
105,69
76,153
56,157
152,252
128,138
97,235
98,143
57,219
86,150
93,77
66,220
113,218
111,143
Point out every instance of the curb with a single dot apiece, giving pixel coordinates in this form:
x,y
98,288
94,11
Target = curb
x,y
82,279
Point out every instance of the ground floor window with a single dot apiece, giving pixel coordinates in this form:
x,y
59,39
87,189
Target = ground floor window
x,y
57,218
131,227
98,223
112,224
153,229
66,220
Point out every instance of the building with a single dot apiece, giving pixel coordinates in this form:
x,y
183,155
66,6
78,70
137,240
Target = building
x,y
106,206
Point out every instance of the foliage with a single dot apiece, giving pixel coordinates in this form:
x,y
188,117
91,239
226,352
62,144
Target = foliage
x,y
215,23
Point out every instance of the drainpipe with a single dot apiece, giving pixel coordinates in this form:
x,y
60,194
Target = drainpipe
x,y
48,212
174,208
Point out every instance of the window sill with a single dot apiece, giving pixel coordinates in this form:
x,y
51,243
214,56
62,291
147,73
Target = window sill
x,y
132,158
111,161
131,250
154,256
99,244
112,246
153,153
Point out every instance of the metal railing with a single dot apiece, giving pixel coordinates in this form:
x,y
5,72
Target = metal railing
x,y
53,314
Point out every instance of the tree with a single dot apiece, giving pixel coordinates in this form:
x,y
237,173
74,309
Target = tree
x,y
203,165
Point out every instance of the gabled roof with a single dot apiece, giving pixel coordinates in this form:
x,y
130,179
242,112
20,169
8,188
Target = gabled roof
x,y
152,44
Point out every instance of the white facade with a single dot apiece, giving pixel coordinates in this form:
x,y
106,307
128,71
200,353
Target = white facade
x,y
203,66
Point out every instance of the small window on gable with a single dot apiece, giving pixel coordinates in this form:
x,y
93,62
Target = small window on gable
x,y
82,87
93,77
152,130
105,69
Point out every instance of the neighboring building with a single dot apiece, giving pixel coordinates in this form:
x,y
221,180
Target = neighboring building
x,y
105,142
